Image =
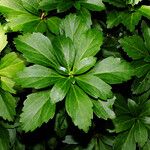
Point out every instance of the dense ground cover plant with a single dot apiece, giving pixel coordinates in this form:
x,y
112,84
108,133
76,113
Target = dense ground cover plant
x,y
74,74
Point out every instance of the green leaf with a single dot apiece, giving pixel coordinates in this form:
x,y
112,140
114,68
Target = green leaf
x,y
120,105
7,106
73,26
98,143
37,110
23,22
141,68
4,139
134,2
113,70
53,24
141,85
49,5
147,145
95,5
7,84
114,18
60,5
31,6
64,52
10,64
59,90
61,124
145,11
37,77
103,110
36,48
134,46
21,15
88,44
140,133
132,105
146,34
84,65
3,38
130,20
123,123
147,59
79,108
117,3
85,16
64,5
94,86
9,6
125,141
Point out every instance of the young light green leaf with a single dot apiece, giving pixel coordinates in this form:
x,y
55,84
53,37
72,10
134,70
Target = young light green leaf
x,y
36,48
95,5
10,64
113,70
94,86
9,6
64,52
7,106
37,77
53,24
73,26
88,44
146,34
4,139
140,133
37,110
7,84
134,46
59,90
79,108
84,65
145,11
3,38
103,110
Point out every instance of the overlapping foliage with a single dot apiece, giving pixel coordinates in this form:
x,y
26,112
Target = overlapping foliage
x,y
79,70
